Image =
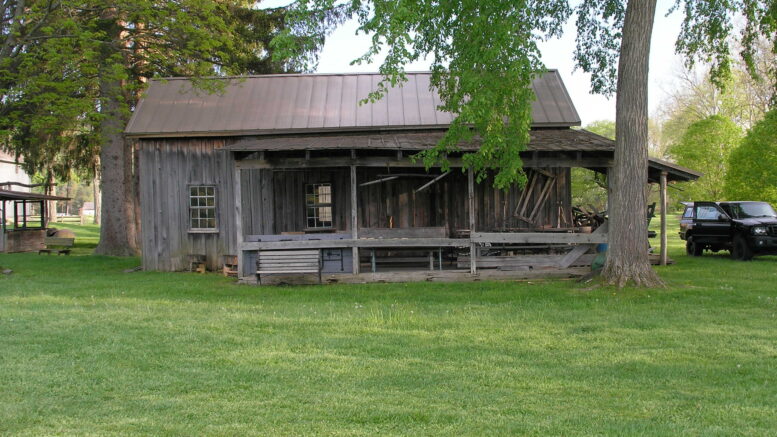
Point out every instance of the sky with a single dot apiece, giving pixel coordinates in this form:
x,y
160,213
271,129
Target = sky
x,y
344,45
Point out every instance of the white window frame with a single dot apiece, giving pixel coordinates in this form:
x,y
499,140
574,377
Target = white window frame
x,y
200,197
318,206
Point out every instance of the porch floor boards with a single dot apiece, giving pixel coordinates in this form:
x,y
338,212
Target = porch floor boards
x,y
390,276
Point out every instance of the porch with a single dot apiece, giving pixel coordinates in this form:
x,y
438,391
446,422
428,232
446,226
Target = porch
x,y
376,215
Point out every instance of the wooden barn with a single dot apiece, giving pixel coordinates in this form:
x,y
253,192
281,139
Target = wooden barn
x,y
283,173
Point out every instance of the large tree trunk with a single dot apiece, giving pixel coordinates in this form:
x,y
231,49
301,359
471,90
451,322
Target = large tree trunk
x,y
118,233
627,258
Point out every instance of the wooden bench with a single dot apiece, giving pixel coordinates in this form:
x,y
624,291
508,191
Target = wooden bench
x,y
288,262
57,244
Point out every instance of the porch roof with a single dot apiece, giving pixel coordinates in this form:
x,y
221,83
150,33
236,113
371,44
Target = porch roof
x,y
546,140
299,103
542,140
674,172
22,195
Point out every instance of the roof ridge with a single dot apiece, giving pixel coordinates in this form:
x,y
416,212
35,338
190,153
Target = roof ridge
x,y
252,76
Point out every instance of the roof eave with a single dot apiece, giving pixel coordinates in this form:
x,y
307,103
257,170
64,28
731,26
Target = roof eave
x,y
267,132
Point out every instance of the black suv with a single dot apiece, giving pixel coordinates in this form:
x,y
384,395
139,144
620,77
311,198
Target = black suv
x,y
743,228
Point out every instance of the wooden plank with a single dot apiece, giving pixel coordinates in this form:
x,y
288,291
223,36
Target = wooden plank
x,y
540,261
379,181
392,162
293,252
538,238
239,221
361,243
549,183
471,201
578,251
430,276
317,162
421,232
354,219
663,255
430,183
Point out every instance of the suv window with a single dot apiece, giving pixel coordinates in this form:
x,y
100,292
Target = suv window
x,y
748,210
707,213
688,212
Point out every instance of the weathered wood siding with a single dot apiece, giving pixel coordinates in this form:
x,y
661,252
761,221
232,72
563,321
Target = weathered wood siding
x,y
167,169
274,201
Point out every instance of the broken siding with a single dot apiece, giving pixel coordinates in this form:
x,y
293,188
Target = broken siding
x,y
443,204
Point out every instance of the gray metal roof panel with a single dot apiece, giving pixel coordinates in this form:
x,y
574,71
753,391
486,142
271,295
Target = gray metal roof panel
x,y
273,104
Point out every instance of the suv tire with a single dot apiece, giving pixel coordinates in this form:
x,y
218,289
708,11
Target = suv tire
x,y
740,250
694,249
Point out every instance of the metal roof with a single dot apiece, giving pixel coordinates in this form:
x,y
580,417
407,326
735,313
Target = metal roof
x,y
561,140
299,103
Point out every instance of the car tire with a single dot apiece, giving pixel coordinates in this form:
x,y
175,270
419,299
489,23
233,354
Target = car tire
x,y
694,249
740,250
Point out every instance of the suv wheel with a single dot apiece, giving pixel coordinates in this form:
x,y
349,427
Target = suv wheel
x,y
740,250
694,249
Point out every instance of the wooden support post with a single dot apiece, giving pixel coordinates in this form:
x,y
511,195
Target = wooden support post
x,y
42,214
663,218
241,267
473,270
354,219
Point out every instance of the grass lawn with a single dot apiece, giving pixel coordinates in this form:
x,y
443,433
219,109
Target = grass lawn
x,y
89,350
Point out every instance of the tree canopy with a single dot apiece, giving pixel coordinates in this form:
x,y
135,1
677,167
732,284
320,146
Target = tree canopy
x,y
706,147
751,168
56,54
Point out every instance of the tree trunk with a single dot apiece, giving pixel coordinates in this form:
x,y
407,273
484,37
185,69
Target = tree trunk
x,y
97,194
118,234
627,258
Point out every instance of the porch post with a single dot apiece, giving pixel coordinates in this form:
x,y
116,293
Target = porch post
x,y
473,270
354,220
662,182
239,223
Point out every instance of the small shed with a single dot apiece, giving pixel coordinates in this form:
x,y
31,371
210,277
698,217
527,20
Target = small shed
x,y
292,162
24,229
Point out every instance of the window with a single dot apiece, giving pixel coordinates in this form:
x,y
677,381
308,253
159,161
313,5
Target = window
x,y
202,208
318,204
688,212
707,213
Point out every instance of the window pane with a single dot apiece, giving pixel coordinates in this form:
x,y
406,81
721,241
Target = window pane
x,y
325,213
202,207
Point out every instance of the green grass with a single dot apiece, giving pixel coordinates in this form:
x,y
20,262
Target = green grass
x,y
89,350
87,236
